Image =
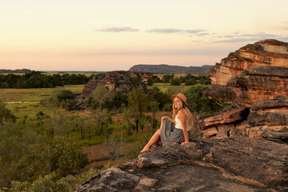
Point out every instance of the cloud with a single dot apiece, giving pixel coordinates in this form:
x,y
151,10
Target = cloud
x,y
152,52
242,37
118,29
175,30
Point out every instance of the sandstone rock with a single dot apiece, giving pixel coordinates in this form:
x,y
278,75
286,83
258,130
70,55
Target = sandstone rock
x,y
255,77
226,124
112,179
118,81
270,118
264,119
231,116
221,93
115,80
263,53
235,164
145,184
254,72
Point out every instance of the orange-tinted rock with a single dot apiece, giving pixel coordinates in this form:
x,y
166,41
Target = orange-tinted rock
x,y
226,124
264,119
263,53
255,72
228,117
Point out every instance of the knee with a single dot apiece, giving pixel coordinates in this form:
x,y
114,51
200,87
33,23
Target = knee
x,y
163,118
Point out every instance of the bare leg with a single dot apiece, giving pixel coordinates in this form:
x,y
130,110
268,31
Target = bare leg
x,y
154,138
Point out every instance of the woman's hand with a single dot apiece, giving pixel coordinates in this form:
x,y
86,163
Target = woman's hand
x,y
184,142
166,117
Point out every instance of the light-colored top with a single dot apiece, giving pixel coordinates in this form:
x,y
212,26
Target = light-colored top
x,y
178,124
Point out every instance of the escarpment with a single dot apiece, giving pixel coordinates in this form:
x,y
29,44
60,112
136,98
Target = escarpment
x,y
255,72
255,77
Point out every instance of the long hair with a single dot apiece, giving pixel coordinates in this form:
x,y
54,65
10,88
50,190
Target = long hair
x,y
190,116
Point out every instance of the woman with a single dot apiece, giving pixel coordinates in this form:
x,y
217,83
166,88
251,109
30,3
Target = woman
x,y
178,129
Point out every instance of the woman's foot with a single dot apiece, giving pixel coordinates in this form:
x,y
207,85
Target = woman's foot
x,y
144,149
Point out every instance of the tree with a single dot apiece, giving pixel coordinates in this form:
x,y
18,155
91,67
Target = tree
x,y
99,97
167,78
160,97
61,98
176,81
138,103
202,104
154,107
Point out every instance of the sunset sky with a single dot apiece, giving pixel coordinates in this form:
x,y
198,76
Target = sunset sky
x,y
114,35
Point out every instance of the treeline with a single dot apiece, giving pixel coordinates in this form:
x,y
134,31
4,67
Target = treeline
x,y
35,79
15,71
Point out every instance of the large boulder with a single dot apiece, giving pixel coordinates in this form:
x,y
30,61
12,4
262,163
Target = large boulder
x,y
237,164
264,119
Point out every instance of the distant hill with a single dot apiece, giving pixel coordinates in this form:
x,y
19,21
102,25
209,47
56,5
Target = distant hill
x,y
164,68
15,71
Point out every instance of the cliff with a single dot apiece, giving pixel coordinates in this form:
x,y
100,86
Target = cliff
x,y
255,72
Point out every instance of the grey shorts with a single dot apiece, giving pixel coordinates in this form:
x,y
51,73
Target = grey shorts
x,y
170,134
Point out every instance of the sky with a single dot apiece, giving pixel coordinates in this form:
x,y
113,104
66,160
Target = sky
x,y
94,35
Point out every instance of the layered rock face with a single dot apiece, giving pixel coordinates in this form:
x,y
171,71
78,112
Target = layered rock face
x,y
256,78
255,72
264,119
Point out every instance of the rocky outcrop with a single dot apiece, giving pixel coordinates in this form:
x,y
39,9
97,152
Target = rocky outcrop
x,y
254,78
237,164
255,72
116,81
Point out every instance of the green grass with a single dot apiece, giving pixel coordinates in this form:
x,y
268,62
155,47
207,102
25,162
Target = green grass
x,y
33,95
26,102
166,87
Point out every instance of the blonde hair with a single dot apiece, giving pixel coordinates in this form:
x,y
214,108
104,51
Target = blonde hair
x,y
190,117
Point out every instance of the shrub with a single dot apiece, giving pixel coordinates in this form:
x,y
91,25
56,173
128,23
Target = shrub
x,y
5,114
63,98
202,104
